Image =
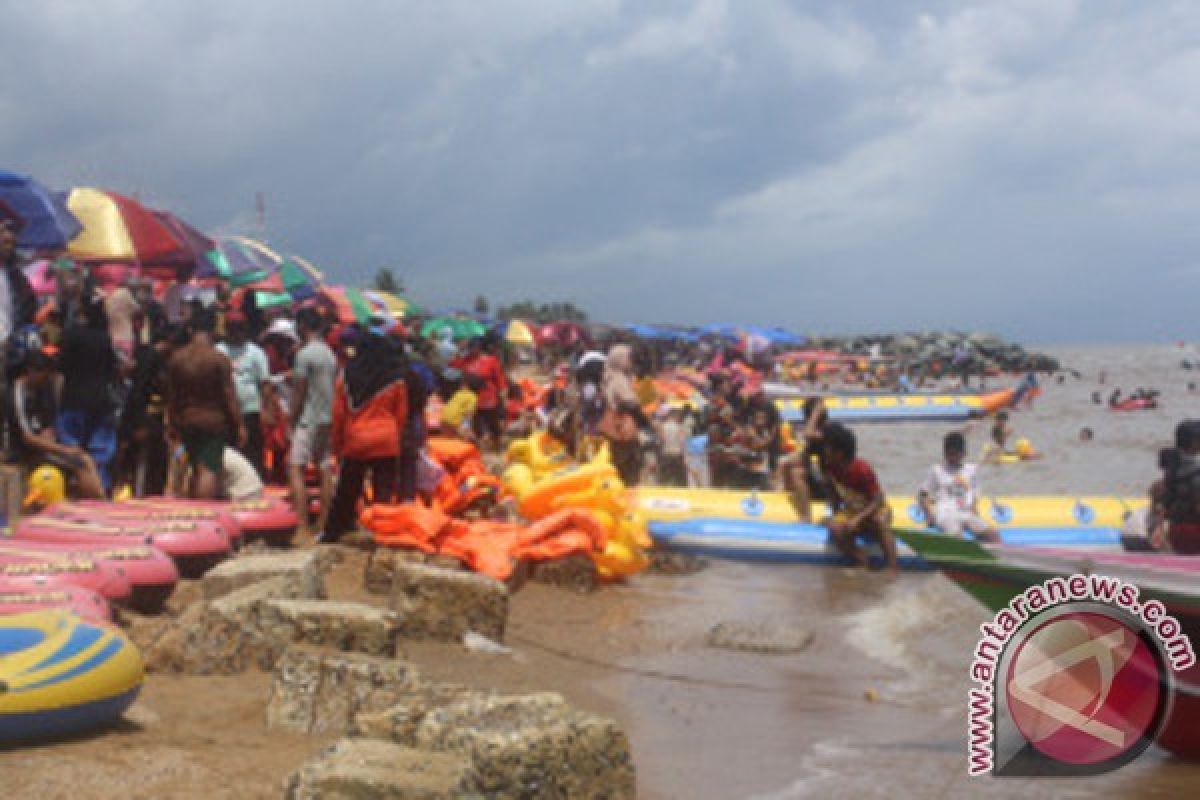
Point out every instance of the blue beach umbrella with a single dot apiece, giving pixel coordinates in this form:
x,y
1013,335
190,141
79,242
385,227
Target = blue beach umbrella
x,y
41,216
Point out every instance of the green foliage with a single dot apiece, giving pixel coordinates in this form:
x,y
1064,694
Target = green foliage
x,y
386,281
561,311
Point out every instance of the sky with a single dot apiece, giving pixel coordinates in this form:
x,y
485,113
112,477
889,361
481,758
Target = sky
x,y
1030,167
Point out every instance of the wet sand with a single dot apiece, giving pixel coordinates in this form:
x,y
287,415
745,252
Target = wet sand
x,y
875,707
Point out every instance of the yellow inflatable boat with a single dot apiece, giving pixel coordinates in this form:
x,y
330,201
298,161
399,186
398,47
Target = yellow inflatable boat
x,y
60,675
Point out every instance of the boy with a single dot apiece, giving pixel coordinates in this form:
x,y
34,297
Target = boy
x,y
860,508
673,439
949,496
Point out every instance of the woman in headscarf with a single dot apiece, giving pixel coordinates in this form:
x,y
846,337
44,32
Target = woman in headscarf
x,y
623,414
370,406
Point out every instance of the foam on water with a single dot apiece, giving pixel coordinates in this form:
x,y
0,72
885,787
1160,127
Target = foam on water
x,y
840,769
924,629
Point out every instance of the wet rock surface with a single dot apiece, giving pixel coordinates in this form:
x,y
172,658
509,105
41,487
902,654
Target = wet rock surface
x,y
665,562
372,769
936,351
445,604
316,691
575,572
343,626
532,746
759,637
301,568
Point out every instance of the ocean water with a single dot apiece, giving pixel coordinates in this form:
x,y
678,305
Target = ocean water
x,y
876,708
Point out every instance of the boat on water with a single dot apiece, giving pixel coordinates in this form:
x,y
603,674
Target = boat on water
x,y
942,407
994,575
754,526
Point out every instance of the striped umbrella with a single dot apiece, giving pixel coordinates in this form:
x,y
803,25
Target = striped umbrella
x,y
118,229
240,261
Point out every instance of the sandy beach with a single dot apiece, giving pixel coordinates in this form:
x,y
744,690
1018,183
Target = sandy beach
x,y
874,707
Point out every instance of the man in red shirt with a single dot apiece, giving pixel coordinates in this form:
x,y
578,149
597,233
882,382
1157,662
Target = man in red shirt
x,y
489,412
860,508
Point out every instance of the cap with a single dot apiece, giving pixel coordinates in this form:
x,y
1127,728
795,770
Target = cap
x,y
283,327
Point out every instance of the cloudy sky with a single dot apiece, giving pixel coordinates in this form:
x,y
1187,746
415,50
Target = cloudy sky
x,y
1027,166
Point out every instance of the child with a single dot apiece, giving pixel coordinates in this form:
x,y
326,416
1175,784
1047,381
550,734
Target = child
x,y
860,508
673,438
949,496
801,474
459,410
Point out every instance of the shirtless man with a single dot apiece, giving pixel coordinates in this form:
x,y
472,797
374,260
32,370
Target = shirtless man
x,y
202,405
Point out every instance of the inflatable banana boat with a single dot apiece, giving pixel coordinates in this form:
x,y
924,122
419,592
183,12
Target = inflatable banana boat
x,y
762,526
61,676
902,407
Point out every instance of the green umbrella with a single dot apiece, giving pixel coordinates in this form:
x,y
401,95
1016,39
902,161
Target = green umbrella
x,y
459,327
272,299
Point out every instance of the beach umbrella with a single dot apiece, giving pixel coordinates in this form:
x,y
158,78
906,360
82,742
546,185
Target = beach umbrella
x,y
41,217
459,327
271,299
41,277
191,257
241,262
395,305
564,333
349,304
117,228
517,332
300,278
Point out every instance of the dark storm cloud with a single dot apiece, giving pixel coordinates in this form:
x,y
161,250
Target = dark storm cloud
x,y
1025,166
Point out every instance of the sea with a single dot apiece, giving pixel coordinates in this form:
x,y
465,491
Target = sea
x,y
876,706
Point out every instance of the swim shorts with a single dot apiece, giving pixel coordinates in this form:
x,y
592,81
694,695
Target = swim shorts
x,y
204,448
310,445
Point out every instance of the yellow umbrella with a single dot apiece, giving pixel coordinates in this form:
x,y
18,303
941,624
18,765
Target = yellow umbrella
x,y
519,333
396,306
117,228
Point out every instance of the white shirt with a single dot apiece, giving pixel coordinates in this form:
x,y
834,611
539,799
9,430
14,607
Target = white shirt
x,y
955,489
241,481
6,309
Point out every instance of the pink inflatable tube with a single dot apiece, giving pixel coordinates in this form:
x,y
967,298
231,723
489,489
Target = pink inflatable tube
x,y
195,546
150,572
149,510
34,573
270,518
87,604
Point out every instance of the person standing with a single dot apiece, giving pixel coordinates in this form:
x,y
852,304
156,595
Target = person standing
x,y
18,304
480,361
370,410
623,416
312,416
87,414
251,380
202,407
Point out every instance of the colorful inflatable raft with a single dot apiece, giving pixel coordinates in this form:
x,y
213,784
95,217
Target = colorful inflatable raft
x,y
37,572
902,407
60,675
762,527
195,545
87,604
151,573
